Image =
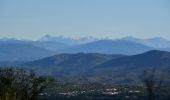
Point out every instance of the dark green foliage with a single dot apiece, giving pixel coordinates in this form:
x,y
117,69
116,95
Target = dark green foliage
x,y
152,83
19,84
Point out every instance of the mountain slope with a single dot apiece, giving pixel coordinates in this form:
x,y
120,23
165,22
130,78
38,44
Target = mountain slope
x,y
50,46
72,64
95,67
109,47
21,52
129,69
152,58
156,42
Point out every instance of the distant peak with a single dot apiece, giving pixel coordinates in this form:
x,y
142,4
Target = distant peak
x,y
47,36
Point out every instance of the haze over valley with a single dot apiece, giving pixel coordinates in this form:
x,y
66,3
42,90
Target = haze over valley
x,y
86,58
84,49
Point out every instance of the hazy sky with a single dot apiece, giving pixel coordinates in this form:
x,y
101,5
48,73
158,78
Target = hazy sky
x,y
31,19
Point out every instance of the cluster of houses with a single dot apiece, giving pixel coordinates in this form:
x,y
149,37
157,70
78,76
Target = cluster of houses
x,y
108,91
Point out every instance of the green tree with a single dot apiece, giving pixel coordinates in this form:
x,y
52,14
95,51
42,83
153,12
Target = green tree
x,y
20,84
152,81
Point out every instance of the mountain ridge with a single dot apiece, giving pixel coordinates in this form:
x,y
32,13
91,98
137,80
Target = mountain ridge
x,y
109,47
20,52
96,67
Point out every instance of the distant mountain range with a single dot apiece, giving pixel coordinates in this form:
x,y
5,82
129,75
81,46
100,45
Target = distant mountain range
x,y
10,48
122,60
152,42
67,40
21,52
156,42
102,67
52,46
109,47
70,64
13,50
152,58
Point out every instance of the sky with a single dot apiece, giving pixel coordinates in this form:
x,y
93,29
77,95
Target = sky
x,y
31,19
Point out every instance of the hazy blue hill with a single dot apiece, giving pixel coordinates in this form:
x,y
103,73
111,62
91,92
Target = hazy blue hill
x,y
152,58
129,69
125,46
109,47
73,60
67,40
156,42
21,52
102,67
71,63
50,45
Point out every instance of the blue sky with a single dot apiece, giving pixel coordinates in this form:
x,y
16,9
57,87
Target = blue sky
x,y
31,19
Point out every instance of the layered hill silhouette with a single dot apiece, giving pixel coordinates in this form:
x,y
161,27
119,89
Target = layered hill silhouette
x,y
156,42
153,58
71,60
109,47
70,64
13,50
21,52
52,46
102,67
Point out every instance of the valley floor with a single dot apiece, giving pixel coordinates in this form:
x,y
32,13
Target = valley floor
x,y
102,92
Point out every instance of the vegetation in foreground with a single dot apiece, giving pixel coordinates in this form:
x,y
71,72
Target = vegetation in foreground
x,y
20,84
